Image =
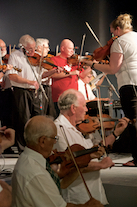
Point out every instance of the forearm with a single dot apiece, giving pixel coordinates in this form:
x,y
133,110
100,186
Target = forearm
x,y
92,166
5,195
18,79
48,73
84,73
106,68
64,75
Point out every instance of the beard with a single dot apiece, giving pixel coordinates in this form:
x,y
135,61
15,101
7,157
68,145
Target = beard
x,y
3,53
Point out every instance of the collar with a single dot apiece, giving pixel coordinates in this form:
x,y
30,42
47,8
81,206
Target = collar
x,y
65,122
35,156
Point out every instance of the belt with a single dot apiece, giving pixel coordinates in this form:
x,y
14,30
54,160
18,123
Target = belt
x,y
28,89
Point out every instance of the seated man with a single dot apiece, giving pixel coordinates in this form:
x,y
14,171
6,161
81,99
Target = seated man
x,y
7,138
34,183
85,88
72,107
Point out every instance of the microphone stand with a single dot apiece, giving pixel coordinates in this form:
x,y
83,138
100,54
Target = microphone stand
x,y
41,87
111,85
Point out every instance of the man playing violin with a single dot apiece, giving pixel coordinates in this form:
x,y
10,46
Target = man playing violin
x,y
62,81
72,107
25,86
5,89
34,183
42,48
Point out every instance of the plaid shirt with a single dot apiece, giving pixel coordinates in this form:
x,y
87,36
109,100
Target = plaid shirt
x,y
53,175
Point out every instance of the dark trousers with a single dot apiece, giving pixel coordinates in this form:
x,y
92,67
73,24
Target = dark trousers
x,y
129,105
48,105
6,97
26,105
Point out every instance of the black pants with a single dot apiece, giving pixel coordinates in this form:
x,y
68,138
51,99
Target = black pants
x,y
6,97
26,105
48,105
128,101
129,105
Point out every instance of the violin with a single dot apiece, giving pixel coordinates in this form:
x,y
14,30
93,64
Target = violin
x,y
82,157
5,59
3,67
90,124
102,52
46,62
74,60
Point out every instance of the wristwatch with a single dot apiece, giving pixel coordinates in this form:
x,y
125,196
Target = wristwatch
x,y
92,66
116,137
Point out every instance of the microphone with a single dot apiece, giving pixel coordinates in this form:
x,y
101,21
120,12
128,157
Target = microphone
x,y
23,48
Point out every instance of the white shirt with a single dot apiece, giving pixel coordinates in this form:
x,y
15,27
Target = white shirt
x,y
76,192
81,88
19,60
127,45
32,184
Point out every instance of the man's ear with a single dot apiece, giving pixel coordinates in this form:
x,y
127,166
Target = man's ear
x,y
41,141
73,108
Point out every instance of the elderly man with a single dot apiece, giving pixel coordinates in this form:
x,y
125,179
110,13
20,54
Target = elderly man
x,y
25,86
72,107
42,48
5,90
33,181
7,139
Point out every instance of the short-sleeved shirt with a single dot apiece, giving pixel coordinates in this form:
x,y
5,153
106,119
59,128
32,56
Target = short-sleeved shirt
x,y
32,184
62,84
18,59
127,45
76,192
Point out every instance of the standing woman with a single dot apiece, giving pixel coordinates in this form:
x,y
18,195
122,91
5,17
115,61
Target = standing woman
x,y
123,63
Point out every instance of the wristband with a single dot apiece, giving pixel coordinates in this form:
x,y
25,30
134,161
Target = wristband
x,y
92,66
116,137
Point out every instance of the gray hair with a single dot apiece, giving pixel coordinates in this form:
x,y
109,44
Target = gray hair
x,y
67,98
41,42
25,39
38,126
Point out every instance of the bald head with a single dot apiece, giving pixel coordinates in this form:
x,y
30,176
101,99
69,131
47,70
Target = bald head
x,y
38,126
67,48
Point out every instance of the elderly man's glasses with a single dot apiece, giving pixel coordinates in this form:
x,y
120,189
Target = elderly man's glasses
x,y
56,138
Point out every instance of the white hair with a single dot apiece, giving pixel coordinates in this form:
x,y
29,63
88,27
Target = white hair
x,y
41,42
67,98
38,126
25,39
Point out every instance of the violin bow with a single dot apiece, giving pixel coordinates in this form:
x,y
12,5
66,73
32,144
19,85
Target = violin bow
x,y
113,88
94,34
73,158
40,85
57,50
82,45
98,94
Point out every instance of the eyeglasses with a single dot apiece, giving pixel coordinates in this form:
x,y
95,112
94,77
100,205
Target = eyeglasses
x,y
56,138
